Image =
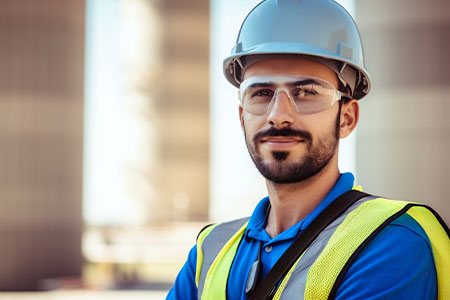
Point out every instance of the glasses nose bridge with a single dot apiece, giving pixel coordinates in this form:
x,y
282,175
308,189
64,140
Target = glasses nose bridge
x,y
276,95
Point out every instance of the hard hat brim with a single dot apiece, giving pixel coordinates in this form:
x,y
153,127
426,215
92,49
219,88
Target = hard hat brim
x,y
288,48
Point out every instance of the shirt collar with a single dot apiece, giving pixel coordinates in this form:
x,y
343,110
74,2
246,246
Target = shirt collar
x,y
255,228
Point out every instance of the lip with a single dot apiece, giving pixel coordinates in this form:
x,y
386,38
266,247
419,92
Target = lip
x,y
281,141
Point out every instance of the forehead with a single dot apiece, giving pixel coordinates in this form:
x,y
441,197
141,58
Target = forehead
x,y
291,66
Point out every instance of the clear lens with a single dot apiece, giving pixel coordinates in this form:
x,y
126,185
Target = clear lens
x,y
307,94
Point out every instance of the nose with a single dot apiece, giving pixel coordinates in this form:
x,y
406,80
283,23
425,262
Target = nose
x,y
281,112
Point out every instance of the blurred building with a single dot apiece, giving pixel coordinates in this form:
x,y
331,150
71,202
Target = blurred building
x,y
41,140
182,104
41,129
403,140
147,110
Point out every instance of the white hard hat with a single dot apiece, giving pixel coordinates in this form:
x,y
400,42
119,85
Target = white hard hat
x,y
320,30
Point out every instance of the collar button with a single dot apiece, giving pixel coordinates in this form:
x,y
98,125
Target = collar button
x,y
268,249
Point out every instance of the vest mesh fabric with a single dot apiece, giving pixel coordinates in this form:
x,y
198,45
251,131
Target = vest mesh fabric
x,y
355,229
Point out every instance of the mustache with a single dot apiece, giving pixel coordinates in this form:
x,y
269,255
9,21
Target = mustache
x,y
286,131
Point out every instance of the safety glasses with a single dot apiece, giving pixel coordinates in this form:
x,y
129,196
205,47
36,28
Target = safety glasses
x,y
307,94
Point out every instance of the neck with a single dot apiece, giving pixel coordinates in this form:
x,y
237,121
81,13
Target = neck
x,y
291,203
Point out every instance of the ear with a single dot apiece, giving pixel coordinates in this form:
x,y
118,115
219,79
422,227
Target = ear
x,y
349,117
241,118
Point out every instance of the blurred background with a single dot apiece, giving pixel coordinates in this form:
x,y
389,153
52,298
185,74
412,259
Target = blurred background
x,y
120,137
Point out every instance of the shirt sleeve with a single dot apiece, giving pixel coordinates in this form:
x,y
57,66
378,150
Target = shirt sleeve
x,y
397,264
185,287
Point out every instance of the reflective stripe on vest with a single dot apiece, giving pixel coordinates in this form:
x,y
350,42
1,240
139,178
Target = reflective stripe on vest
x,y
334,249
220,246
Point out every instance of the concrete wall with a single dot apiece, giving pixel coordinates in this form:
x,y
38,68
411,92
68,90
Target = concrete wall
x,y
403,142
41,122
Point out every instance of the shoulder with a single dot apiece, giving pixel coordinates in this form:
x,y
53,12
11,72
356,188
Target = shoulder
x,y
398,263
224,230
401,239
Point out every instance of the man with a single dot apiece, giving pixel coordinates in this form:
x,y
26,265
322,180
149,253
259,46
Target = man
x,y
299,69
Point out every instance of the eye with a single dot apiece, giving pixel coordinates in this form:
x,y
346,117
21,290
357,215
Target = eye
x,y
304,91
262,93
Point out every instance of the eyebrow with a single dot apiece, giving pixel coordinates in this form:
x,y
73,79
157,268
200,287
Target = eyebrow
x,y
306,82
295,83
261,84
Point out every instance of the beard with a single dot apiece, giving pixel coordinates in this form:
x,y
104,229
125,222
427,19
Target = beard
x,y
279,170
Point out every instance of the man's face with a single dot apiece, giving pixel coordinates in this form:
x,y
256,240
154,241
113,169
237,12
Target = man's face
x,y
285,145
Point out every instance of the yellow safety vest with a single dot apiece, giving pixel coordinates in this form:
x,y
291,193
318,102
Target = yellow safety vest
x,y
351,233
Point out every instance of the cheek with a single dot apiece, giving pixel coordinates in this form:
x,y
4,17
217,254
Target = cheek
x,y
252,124
321,124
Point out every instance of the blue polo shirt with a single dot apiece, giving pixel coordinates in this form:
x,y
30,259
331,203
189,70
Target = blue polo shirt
x,y
397,264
